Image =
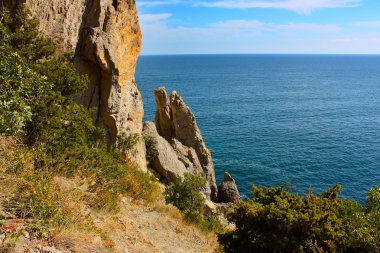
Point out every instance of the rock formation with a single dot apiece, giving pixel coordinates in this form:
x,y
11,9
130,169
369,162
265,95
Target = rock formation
x,y
176,123
228,191
110,45
166,163
106,38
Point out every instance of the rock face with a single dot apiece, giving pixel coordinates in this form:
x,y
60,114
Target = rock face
x,y
176,123
109,46
106,38
166,163
228,191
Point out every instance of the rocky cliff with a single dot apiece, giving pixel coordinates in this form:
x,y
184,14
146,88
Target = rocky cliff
x,y
176,123
106,38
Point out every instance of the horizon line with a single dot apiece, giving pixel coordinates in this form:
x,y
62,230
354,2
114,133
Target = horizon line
x,y
314,54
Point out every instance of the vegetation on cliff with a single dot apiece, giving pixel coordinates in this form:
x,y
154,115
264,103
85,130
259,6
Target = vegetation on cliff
x,y
45,135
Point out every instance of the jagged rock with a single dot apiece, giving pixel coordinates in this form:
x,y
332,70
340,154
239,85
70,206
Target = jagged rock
x,y
175,121
166,163
110,45
187,156
228,191
106,38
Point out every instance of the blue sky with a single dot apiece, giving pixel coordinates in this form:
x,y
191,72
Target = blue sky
x,y
260,26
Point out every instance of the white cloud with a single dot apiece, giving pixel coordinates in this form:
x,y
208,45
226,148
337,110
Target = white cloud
x,y
299,6
237,36
258,26
369,24
151,3
154,18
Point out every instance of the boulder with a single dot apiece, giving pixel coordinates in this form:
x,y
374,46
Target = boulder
x,y
166,163
177,124
228,191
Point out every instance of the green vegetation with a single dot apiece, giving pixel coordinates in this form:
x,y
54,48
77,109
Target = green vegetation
x,y
45,135
275,220
185,194
127,142
151,151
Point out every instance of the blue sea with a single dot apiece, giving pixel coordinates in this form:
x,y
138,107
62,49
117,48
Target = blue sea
x,y
310,120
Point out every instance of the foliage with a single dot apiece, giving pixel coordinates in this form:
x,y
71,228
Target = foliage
x,y
36,105
276,220
184,193
151,150
21,32
127,142
373,199
36,90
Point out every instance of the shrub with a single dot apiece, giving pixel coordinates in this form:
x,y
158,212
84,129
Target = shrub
x,y
151,151
127,142
275,220
185,194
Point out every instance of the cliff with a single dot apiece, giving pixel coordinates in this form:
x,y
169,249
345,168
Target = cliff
x,y
106,38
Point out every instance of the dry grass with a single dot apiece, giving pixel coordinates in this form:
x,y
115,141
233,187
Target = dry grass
x,y
140,225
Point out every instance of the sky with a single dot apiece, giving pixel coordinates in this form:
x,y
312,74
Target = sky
x,y
260,26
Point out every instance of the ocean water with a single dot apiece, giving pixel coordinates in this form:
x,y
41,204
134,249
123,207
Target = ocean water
x,y
313,121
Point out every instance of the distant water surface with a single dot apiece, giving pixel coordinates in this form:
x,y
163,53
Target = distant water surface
x,y
269,119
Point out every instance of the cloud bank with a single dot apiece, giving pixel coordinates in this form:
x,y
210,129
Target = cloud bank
x,y
299,6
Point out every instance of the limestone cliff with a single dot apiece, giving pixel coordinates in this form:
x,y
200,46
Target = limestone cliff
x,y
177,124
106,38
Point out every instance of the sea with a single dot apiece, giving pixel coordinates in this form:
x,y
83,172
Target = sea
x,y
311,121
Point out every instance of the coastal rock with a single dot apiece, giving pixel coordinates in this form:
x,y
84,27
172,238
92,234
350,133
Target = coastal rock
x,y
166,163
110,45
187,156
228,191
106,38
177,124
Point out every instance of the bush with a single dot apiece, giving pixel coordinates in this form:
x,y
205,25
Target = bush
x,y
127,142
185,194
151,151
275,220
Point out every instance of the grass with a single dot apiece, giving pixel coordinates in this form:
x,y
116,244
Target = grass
x,y
37,191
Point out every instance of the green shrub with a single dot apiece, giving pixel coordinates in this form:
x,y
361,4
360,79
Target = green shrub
x,y
276,220
185,194
151,150
127,142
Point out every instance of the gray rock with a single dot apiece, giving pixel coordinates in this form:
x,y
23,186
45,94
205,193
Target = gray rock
x,y
177,124
228,191
166,163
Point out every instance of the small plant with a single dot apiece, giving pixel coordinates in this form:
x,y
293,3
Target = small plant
x,y
185,194
127,142
151,150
